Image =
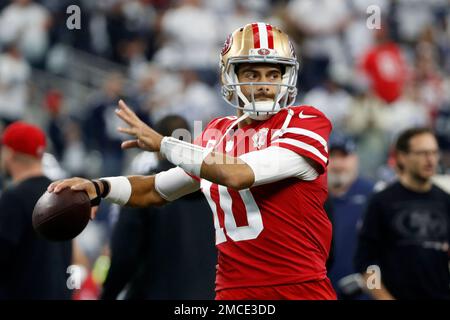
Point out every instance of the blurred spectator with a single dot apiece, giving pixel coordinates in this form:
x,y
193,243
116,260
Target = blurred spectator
x,y
348,193
191,38
134,54
385,66
320,23
120,22
14,75
26,23
367,123
442,129
406,112
140,16
427,77
30,267
59,33
406,229
147,89
74,155
180,267
332,100
51,167
387,173
53,104
66,136
359,38
195,101
115,28
413,16
239,16
101,125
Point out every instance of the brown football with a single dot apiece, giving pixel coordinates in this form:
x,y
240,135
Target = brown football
x,y
61,216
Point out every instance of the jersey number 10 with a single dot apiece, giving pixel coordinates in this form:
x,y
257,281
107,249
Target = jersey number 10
x,y
224,202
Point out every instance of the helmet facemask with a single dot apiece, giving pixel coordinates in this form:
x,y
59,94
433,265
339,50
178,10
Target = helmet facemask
x,y
263,44
286,90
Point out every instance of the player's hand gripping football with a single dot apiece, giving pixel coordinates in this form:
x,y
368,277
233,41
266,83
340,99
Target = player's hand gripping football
x,y
76,184
145,137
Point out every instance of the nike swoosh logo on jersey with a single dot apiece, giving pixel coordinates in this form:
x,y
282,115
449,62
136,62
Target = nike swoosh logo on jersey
x,y
305,116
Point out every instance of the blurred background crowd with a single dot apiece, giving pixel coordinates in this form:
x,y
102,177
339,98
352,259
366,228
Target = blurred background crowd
x,y
162,58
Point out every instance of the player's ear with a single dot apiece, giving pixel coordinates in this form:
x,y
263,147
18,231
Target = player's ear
x,y
237,66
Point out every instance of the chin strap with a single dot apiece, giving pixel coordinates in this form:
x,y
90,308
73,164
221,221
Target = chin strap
x,y
246,115
287,120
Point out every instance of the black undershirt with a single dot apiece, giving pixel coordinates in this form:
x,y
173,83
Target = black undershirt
x,y
407,234
30,267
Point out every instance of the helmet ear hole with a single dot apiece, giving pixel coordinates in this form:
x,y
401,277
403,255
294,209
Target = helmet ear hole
x,y
237,66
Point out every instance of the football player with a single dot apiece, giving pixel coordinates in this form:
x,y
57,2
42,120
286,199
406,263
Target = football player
x,y
262,171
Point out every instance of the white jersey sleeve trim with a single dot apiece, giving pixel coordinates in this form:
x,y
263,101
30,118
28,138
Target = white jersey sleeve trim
x,y
304,132
303,146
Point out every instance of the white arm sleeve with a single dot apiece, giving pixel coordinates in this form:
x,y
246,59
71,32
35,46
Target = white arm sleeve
x,y
175,183
274,164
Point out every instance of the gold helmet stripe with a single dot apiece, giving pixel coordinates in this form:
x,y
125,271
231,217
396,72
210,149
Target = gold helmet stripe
x,y
256,35
270,35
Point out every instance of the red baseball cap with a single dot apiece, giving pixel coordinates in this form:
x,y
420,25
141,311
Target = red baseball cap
x,y
25,138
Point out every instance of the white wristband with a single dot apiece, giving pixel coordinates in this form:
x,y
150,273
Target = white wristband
x,y
120,190
185,155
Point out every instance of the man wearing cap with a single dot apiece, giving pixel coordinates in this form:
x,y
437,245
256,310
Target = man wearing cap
x,y
348,193
30,267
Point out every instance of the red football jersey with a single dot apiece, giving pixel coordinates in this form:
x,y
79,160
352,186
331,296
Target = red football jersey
x,y
387,69
276,233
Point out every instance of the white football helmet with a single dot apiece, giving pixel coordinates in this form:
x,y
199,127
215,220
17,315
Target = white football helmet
x,y
258,43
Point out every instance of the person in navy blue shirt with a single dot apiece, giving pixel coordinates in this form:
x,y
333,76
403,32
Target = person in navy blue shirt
x,y
403,244
348,194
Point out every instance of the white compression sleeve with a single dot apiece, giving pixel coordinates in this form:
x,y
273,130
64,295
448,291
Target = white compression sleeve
x,y
274,164
185,155
175,183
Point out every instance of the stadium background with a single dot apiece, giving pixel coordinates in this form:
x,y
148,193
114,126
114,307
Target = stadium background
x,y
161,57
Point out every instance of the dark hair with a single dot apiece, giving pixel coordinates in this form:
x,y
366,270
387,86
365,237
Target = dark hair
x,y
167,125
402,143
